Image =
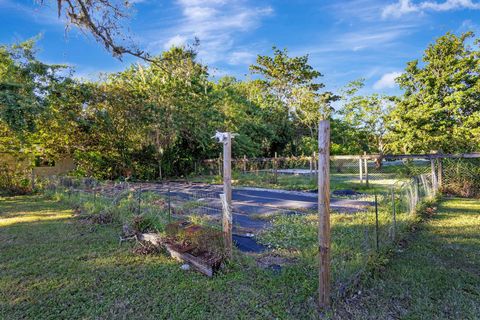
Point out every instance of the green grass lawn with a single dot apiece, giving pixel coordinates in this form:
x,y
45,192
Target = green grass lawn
x,y
437,276
53,266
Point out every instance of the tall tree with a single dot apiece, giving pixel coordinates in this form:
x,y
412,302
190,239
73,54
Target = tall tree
x,y
367,114
292,81
287,77
25,88
440,108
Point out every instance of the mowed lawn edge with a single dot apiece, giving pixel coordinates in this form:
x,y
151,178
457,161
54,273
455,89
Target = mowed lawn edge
x,y
437,276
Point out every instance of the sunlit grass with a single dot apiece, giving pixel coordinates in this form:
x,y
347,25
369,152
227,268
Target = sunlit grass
x,y
435,277
23,217
60,268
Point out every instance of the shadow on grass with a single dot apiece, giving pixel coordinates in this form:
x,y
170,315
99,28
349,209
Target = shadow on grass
x,y
57,269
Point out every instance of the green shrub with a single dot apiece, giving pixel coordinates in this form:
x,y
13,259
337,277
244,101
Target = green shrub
x,y
14,182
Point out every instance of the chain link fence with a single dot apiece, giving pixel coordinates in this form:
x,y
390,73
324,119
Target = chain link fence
x,y
300,173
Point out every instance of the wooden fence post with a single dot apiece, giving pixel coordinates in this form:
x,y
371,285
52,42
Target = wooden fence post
x,y
220,164
434,177
244,164
324,212
366,170
275,168
360,166
440,173
227,190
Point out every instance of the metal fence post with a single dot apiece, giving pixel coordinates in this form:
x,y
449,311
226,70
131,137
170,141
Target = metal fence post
x,y
244,164
169,204
220,164
275,168
440,173
139,200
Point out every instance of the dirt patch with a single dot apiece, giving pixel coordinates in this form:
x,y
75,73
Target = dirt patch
x,y
272,261
145,248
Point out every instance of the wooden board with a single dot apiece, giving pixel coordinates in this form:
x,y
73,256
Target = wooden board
x,y
196,262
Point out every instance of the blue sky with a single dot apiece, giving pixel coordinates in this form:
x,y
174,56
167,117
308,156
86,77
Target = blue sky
x,y
346,40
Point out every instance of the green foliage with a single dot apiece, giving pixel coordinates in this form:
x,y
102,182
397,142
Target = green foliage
x,y
157,119
367,116
440,109
14,182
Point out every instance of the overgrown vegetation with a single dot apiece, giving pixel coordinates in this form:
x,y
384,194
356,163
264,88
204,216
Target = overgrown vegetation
x,y
82,261
13,181
156,119
462,177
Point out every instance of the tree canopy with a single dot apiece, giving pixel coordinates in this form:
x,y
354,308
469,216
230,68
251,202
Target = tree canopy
x,y
440,107
157,118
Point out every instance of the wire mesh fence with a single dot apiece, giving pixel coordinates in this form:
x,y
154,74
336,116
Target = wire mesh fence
x,y
373,205
167,201
359,236
300,173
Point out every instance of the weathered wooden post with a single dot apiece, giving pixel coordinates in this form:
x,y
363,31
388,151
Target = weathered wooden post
x,y
219,164
366,168
440,173
275,168
324,212
244,164
33,179
434,176
226,139
360,167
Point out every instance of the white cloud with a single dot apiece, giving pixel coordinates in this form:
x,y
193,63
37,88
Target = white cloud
x,y
241,57
387,81
199,13
217,23
175,41
402,7
373,38
40,14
